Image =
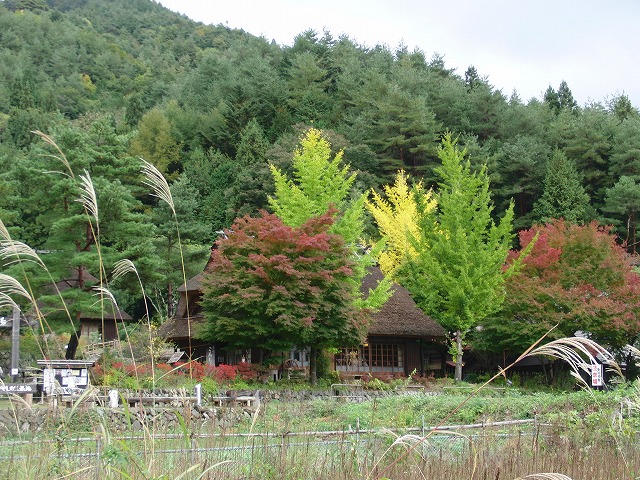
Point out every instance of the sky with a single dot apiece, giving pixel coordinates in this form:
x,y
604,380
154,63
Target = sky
x,y
521,45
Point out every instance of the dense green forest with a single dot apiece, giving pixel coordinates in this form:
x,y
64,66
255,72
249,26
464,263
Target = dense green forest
x,y
114,80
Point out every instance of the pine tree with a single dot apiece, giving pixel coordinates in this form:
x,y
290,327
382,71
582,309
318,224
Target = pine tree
x,y
563,195
253,175
565,97
624,199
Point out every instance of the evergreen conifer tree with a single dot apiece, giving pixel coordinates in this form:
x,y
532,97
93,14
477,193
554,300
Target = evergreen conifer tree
x,y
563,195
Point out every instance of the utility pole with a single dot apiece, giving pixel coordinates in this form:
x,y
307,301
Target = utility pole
x,y
15,344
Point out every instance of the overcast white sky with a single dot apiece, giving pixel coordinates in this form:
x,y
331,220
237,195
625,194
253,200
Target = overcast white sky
x,y
525,45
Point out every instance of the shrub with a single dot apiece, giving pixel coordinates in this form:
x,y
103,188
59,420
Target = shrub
x,y
247,371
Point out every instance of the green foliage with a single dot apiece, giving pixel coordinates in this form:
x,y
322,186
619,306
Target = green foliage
x,y
624,199
155,142
321,185
211,106
563,195
457,275
252,172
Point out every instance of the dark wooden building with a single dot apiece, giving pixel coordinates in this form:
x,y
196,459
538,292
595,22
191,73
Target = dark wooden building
x,y
401,338
182,330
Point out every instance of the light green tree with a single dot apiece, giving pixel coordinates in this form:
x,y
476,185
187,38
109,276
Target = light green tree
x,y
457,276
318,184
155,143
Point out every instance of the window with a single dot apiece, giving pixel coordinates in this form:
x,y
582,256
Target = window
x,y
386,356
195,304
373,357
351,359
300,357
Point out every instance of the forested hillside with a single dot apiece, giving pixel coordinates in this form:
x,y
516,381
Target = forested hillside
x,y
114,80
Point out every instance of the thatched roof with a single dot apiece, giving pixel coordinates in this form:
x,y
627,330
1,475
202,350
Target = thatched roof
x,y
107,314
177,328
400,316
193,284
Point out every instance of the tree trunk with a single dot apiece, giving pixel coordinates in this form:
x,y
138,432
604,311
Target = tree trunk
x,y
170,311
72,346
458,375
313,363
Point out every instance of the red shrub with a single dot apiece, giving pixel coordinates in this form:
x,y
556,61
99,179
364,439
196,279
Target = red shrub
x,y
225,372
247,371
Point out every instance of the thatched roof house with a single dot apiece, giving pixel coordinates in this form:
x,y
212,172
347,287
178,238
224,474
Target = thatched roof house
x,y
400,316
401,337
188,321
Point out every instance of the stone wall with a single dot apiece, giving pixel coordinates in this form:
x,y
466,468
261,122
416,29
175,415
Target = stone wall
x,y
165,415
39,418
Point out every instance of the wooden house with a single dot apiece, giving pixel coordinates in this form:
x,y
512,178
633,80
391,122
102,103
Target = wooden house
x,y
101,327
401,338
182,330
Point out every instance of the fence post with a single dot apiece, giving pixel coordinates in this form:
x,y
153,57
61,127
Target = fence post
x,y
198,392
98,459
114,397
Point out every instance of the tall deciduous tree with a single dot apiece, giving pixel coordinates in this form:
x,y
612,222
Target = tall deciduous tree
x,y
275,286
576,278
155,142
397,217
457,276
321,183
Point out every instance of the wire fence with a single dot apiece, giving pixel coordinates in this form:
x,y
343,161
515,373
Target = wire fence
x,y
240,455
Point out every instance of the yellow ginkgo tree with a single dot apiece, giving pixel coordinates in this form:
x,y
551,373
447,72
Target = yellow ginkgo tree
x,y
398,217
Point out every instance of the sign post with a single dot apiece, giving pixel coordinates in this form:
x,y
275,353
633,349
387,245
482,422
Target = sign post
x,y
198,391
596,375
15,344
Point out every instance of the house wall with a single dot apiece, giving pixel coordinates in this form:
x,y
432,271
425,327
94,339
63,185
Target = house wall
x,y
107,331
392,356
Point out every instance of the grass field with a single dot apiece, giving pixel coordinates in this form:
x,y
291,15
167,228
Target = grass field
x,y
580,434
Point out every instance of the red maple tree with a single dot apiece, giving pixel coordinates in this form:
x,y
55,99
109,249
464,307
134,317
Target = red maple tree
x,y
576,277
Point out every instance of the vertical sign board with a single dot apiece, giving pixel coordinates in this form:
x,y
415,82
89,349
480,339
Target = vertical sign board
x,y
596,375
